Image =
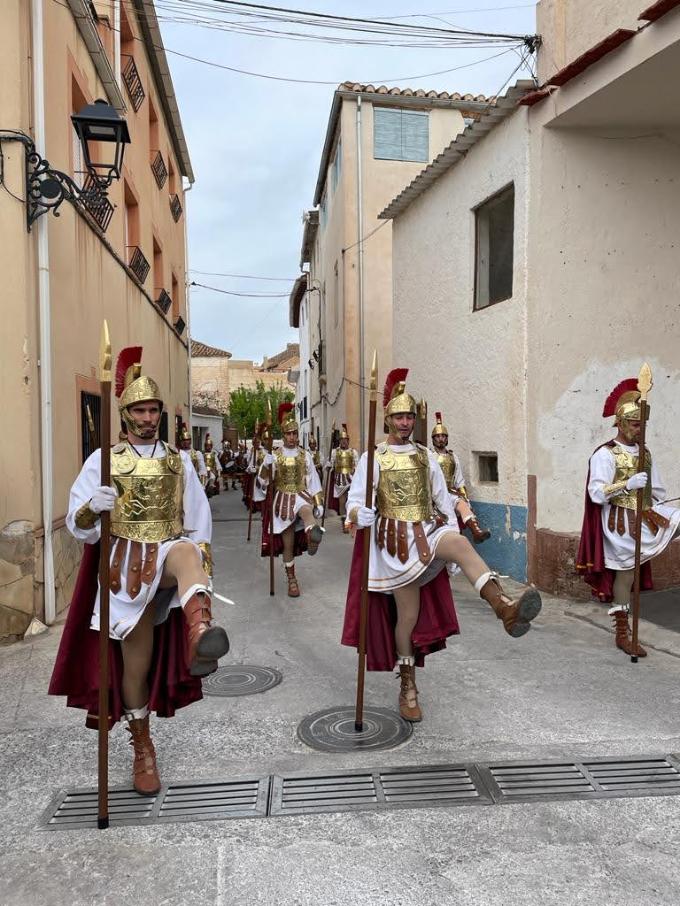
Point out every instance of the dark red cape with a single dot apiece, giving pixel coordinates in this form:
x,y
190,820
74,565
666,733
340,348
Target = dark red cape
x,y
332,502
300,544
590,556
76,669
436,622
248,489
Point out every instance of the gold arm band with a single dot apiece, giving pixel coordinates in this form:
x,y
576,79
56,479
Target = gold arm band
x,y
85,517
353,515
206,551
318,499
614,488
462,492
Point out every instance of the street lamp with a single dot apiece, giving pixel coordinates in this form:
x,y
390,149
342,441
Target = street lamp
x,y
99,126
100,130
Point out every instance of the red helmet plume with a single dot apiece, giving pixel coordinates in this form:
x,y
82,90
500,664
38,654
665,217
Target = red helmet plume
x,y
613,398
283,410
393,378
131,355
438,417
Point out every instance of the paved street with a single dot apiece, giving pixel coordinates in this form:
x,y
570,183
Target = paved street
x,y
563,691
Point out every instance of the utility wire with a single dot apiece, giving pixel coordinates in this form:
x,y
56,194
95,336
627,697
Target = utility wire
x,y
228,292
242,276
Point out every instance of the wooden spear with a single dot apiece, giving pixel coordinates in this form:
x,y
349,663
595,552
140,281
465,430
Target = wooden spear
x,y
104,562
270,499
366,538
326,497
644,386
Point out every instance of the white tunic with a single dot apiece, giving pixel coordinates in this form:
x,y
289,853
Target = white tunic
x,y
124,611
312,487
385,571
619,550
458,478
339,489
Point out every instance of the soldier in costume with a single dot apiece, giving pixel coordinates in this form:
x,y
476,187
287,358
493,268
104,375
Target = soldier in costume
x,y
606,555
343,464
212,484
195,457
316,456
163,638
455,482
414,534
253,462
297,500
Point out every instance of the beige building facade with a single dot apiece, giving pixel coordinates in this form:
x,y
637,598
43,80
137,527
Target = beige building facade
x,y
377,140
123,262
578,178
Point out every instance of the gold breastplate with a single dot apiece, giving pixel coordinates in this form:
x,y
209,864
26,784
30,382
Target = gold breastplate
x,y
291,472
626,466
316,457
150,492
194,459
344,461
210,461
259,457
448,467
404,485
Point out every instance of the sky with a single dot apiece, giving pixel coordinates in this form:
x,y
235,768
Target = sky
x,y
255,143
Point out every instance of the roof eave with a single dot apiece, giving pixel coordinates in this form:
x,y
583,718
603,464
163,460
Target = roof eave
x,y
297,294
161,71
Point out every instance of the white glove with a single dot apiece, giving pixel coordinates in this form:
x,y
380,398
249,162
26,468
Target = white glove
x,y
318,511
268,459
103,499
637,481
365,517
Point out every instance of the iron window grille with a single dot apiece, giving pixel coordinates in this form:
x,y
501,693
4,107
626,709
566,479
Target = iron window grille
x,y
90,405
175,207
180,325
163,301
138,263
133,83
97,205
159,170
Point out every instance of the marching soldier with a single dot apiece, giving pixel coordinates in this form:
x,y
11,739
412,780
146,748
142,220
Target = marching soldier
x,y
212,483
163,638
195,457
411,607
297,500
455,483
316,456
343,464
606,554
253,462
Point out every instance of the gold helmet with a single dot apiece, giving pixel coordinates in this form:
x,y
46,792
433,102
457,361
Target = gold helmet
x,y
395,398
184,434
344,433
439,427
286,417
624,404
132,386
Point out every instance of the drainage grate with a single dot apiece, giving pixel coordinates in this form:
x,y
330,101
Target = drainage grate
x,y
596,779
241,679
379,789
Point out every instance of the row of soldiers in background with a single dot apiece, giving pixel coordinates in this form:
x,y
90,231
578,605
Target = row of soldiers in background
x,y
210,466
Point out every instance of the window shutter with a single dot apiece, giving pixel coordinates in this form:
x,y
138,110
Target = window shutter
x,y
414,136
386,134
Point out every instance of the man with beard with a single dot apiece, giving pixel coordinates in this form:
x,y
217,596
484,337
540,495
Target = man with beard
x,y
163,638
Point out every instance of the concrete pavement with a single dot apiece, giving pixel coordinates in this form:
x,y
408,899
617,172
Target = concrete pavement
x,y
562,691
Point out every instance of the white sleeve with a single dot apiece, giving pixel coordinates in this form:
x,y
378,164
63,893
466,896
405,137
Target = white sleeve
x,y
356,496
83,488
602,472
197,514
440,494
658,489
458,477
202,469
313,483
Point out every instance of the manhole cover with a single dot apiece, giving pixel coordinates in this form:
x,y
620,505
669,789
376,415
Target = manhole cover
x,y
333,730
241,679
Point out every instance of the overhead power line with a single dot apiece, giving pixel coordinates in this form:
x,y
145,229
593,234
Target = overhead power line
x,y
227,292
242,276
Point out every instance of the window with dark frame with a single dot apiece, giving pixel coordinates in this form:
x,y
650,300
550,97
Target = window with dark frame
x,y
90,409
400,134
163,428
494,241
487,467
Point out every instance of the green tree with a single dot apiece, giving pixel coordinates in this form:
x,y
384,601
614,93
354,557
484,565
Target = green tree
x,y
248,406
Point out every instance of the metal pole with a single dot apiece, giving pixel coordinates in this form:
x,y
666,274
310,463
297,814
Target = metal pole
x,y
360,274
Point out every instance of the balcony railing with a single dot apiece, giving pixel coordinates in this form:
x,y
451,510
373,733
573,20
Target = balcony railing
x,y
133,83
159,169
163,301
96,204
138,263
180,325
175,207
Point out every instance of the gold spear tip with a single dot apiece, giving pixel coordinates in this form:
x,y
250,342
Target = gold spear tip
x,y
645,382
105,354
374,372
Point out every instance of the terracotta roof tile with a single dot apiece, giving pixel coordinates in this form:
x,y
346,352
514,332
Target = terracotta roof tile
x,y
415,92
203,351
